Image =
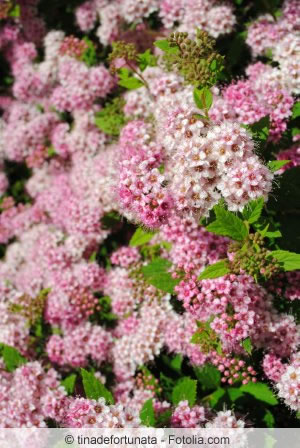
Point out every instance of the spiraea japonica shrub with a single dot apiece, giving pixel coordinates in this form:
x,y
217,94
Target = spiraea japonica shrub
x,y
149,225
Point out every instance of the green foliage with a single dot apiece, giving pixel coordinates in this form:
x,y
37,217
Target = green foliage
x,y
127,80
156,273
89,56
206,338
165,46
93,388
260,130
228,224
261,392
215,270
216,396
253,210
208,376
11,357
15,12
146,59
111,118
147,415
69,383
269,419
105,315
296,110
174,363
275,165
203,99
185,389
247,345
289,260
140,237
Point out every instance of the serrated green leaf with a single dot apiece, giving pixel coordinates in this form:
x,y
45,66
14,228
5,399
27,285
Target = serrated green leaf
x,y
164,45
203,98
11,357
215,270
228,224
296,110
253,209
147,414
289,260
69,383
93,388
185,389
247,345
140,237
156,274
275,165
261,392
208,376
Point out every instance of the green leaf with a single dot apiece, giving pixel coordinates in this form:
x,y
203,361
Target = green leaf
x,y
261,392
215,397
11,357
131,83
208,376
296,110
185,389
156,274
15,12
253,209
69,383
215,270
234,393
147,415
164,45
93,388
275,234
260,129
203,98
147,59
140,237
127,80
90,55
174,363
228,224
247,345
295,131
290,260
275,165
269,419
